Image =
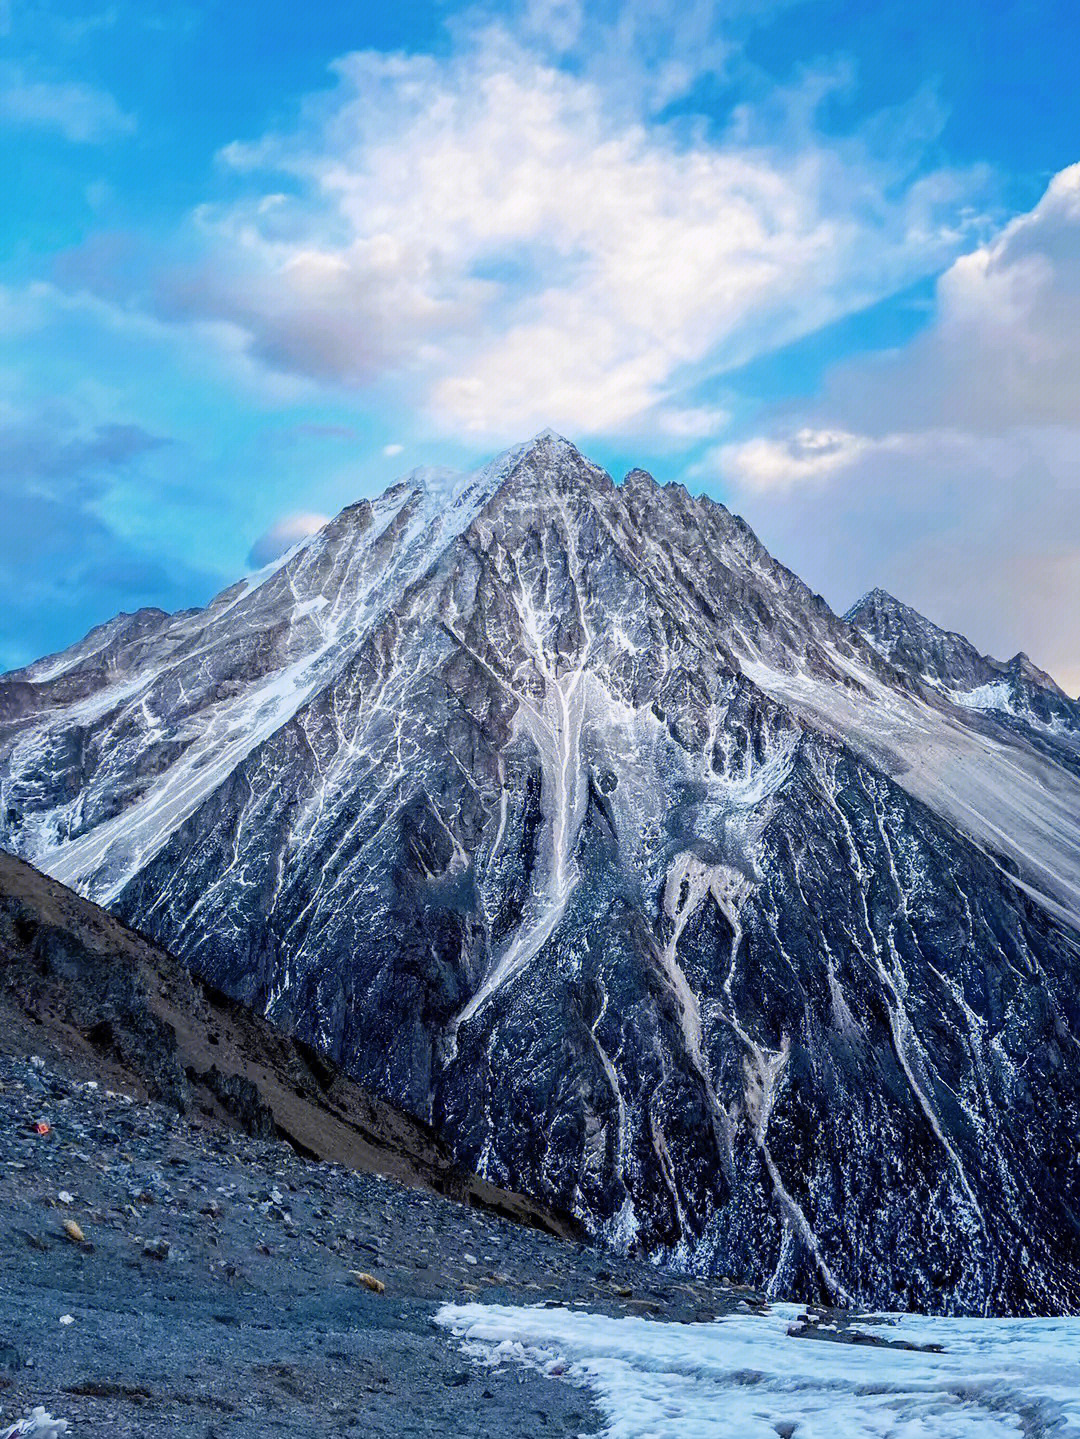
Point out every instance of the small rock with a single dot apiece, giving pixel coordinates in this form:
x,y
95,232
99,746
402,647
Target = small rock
x,y
368,1281
10,1358
73,1232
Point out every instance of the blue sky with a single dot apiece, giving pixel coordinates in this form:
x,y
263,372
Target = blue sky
x,y
820,260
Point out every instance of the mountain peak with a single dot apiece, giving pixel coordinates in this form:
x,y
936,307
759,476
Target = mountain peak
x,y
547,444
552,448
1025,668
911,641
879,600
551,438
914,643
876,596
544,805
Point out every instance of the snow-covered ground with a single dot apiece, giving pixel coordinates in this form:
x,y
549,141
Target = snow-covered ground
x,y
744,1377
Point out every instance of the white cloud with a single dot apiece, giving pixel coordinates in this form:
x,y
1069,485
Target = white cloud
x,y
696,422
507,243
391,450
1003,348
283,534
81,113
949,471
806,457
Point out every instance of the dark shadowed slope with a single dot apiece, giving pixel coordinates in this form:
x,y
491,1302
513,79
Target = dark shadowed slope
x,y
76,983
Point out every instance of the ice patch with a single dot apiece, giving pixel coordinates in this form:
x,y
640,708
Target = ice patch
x,y
38,1424
746,1377
998,697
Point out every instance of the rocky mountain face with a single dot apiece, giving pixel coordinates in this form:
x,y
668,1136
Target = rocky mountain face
x,y
562,815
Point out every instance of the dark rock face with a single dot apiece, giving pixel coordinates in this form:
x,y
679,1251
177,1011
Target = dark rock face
x,y
564,816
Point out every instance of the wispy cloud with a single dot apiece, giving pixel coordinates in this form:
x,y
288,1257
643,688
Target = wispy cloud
x,y
60,549
505,237
282,535
483,229
43,454
808,457
81,113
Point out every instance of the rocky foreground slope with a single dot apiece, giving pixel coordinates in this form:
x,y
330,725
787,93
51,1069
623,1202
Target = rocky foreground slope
x,y
213,1293
80,986
567,819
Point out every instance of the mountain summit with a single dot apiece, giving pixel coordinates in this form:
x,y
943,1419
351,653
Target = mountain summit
x,y
564,816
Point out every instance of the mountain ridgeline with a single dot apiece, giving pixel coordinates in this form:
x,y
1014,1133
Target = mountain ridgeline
x,y
563,816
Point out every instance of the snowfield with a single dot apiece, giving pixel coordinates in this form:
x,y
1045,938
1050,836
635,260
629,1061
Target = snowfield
x,y
745,1377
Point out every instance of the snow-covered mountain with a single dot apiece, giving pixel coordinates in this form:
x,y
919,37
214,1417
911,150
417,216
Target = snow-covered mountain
x,y
565,816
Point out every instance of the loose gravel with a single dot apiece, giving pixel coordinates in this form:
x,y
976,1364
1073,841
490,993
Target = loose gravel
x,y
164,1278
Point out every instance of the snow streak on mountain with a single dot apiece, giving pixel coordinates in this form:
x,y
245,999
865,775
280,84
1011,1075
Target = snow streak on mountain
x,y
563,815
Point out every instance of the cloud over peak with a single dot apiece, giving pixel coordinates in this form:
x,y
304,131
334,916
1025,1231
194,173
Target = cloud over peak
x,y
282,535
501,240
808,456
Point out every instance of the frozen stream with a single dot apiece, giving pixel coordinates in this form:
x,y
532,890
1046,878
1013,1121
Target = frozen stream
x,y
743,1377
